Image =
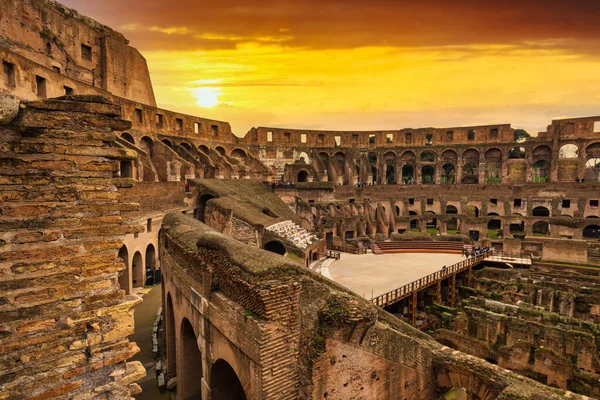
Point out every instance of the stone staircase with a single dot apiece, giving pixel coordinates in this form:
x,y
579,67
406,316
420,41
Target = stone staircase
x,y
293,233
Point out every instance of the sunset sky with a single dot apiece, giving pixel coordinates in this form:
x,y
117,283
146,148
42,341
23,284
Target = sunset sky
x,y
361,65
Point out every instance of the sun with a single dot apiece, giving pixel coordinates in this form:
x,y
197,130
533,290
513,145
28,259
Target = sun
x,y
207,97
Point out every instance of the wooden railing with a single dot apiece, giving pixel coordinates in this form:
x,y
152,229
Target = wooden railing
x,y
402,292
347,249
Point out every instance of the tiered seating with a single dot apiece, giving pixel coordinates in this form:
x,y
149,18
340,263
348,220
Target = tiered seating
x,y
421,247
294,233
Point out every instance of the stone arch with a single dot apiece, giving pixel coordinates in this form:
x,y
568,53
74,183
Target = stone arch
x,y
540,211
390,167
167,142
127,136
275,246
170,338
450,209
517,153
428,174
540,228
220,150
303,176
201,206
408,174
414,224
137,270
542,156
568,150
238,154
591,232
448,173
124,276
224,382
494,224
304,156
470,170
493,165
472,211
189,376
204,149
373,164
186,146
150,257
427,156
592,165
147,144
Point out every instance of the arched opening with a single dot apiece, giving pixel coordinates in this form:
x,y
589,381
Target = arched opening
x,y
275,246
452,224
472,211
540,211
397,210
167,142
414,225
542,156
150,263
568,151
591,232
592,169
224,383
450,209
470,172
239,154
126,169
201,206
427,156
304,157
303,176
408,174
170,339
268,212
448,174
349,235
124,275
431,224
373,164
186,146
189,380
204,149
517,228
390,175
493,166
220,150
147,145
428,174
541,228
127,136
137,270
517,153
494,229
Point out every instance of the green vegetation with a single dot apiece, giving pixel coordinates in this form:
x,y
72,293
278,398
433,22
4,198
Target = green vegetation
x,y
521,135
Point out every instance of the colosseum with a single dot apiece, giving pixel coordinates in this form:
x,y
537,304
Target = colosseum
x,y
430,263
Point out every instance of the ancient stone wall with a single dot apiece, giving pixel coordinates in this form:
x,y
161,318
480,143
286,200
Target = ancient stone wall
x,y
61,40
287,333
64,321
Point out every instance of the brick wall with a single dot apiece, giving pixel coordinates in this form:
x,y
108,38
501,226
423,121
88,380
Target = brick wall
x,y
63,319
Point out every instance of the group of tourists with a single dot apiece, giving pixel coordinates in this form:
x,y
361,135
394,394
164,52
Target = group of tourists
x,y
283,185
475,251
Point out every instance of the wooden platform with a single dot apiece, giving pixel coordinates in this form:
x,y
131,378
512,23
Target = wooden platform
x,y
421,247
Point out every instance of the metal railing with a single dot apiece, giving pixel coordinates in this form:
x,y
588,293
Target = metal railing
x,y
402,292
347,249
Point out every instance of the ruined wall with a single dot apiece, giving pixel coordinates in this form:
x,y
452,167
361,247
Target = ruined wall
x,y
287,333
542,324
54,37
64,321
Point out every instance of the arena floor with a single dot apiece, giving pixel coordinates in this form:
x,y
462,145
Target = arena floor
x,y
371,275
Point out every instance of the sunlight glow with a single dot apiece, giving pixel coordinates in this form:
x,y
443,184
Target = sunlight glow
x,y
207,97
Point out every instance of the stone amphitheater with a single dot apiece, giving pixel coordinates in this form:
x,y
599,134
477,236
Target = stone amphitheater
x,y
102,193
